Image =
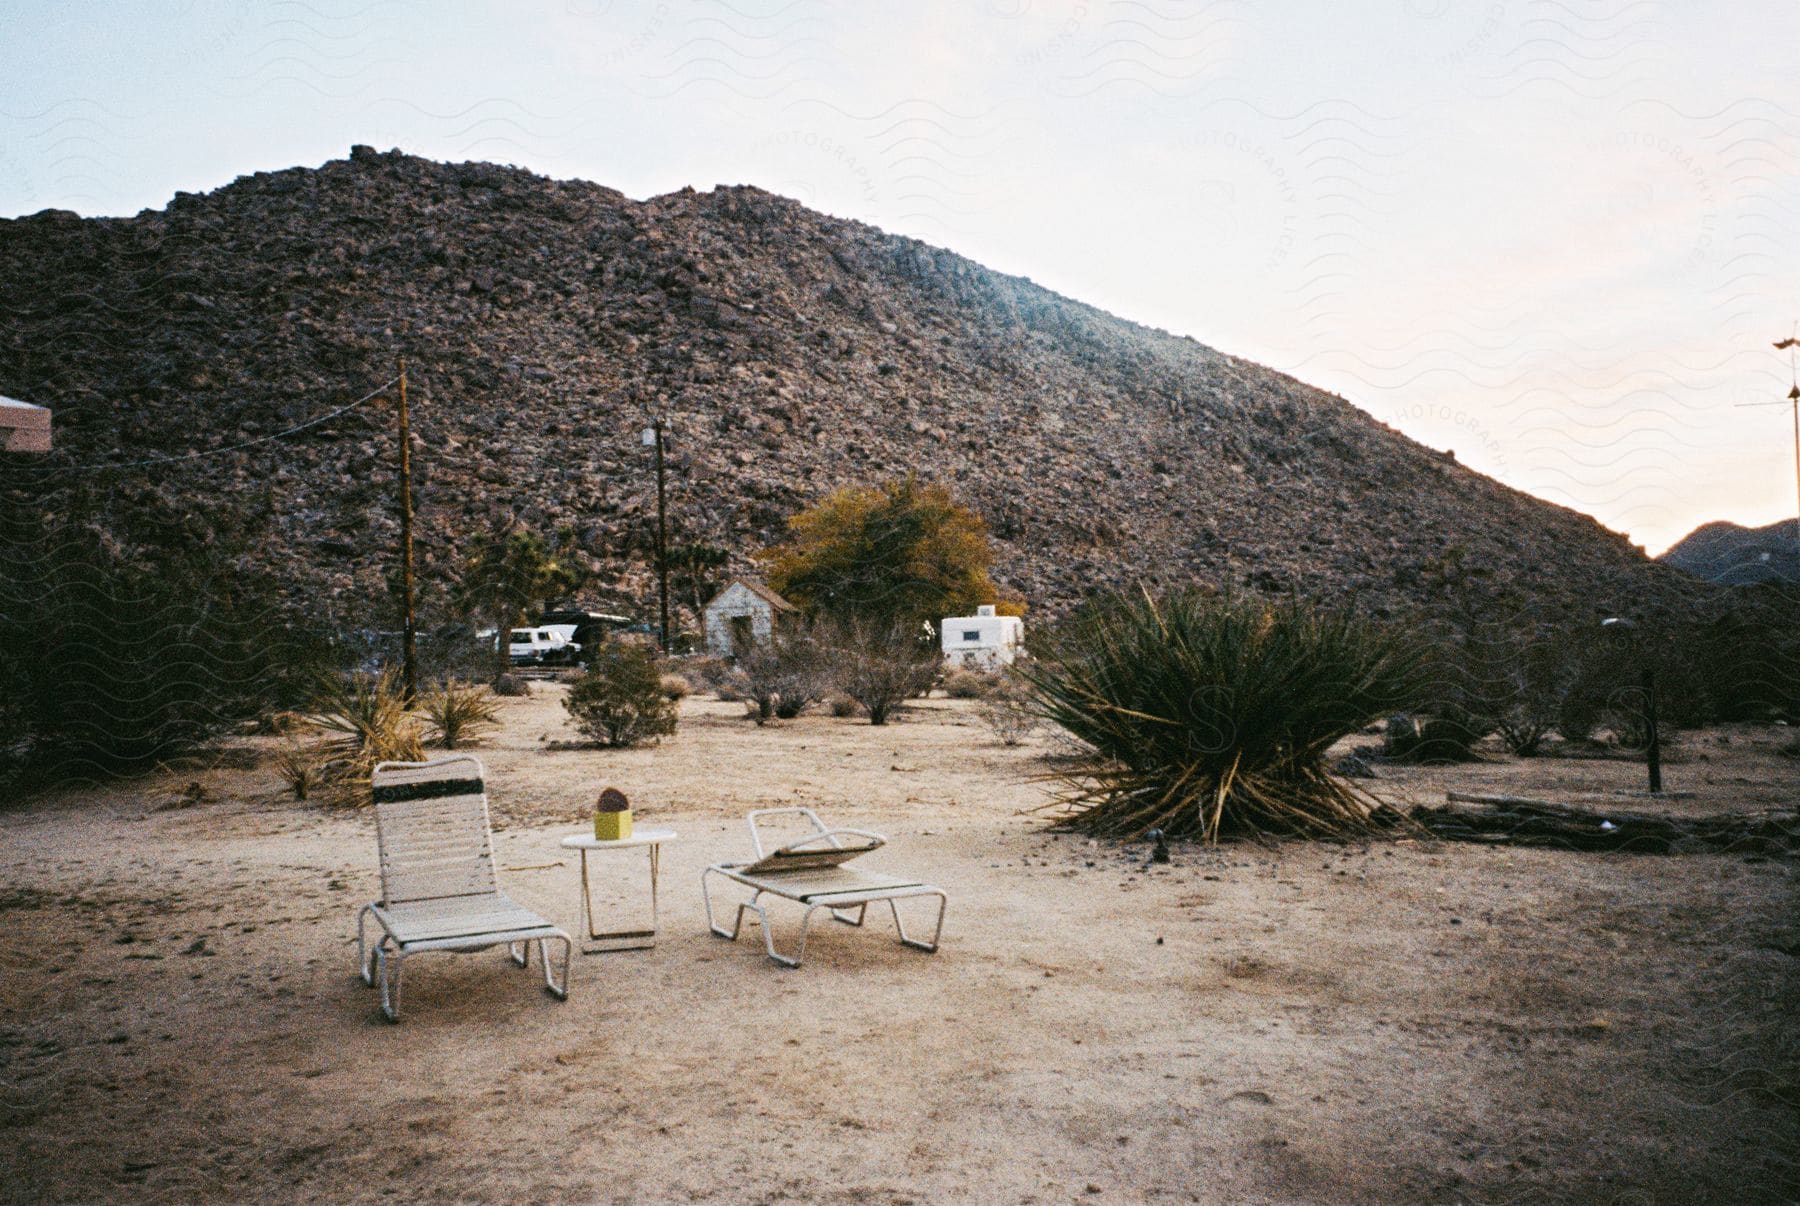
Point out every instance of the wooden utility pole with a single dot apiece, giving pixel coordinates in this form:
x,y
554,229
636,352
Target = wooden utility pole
x,y
662,535
408,634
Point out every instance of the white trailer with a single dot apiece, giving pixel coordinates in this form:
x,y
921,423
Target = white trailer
x,y
983,641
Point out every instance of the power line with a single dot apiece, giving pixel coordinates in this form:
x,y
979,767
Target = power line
x,y
103,467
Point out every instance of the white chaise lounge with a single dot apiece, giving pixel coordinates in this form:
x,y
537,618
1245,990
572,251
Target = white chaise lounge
x,y
438,887
811,872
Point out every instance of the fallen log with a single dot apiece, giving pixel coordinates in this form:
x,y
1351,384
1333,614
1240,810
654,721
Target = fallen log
x,y
1516,820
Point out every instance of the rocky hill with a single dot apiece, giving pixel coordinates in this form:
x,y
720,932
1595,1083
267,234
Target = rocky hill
x,y
793,353
1734,555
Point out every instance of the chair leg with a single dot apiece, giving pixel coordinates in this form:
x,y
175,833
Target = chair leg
x,y
712,922
388,965
365,957
519,953
936,933
842,914
559,991
800,950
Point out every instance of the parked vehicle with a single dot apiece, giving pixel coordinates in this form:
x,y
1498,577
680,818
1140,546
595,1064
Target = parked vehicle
x,y
586,629
541,647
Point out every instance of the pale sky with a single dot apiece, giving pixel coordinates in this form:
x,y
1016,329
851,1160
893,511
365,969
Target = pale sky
x,y
1556,236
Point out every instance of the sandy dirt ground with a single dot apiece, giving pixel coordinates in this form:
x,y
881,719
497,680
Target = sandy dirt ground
x,y
180,1017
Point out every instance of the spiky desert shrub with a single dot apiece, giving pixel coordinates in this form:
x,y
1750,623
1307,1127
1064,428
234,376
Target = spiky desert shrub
x,y
1204,716
1006,710
459,712
782,675
366,721
298,767
620,700
880,664
1520,675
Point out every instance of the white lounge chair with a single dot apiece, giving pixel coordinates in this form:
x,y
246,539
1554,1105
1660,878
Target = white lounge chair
x,y
811,871
438,888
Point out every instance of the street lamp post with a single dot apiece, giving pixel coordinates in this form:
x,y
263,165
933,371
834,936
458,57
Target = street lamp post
x,y
1647,679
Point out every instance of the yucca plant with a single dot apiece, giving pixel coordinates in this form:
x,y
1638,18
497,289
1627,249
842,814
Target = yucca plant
x,y
369,716
298,767
459,712
1206,716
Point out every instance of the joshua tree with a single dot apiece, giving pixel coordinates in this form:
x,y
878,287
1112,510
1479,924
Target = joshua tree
x,y
508,570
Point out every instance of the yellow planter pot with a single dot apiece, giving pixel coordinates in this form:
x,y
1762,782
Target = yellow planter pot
x,y
612,826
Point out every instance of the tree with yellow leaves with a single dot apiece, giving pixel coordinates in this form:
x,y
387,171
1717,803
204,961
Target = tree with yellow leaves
x,y
899,551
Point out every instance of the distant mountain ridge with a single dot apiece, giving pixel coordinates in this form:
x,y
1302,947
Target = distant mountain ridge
x,y
794,353
1733,555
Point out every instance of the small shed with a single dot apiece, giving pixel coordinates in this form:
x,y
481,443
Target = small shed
x,y
984,641
23,427
742,614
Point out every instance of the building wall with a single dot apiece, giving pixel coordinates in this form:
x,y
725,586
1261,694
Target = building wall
x,y
736,600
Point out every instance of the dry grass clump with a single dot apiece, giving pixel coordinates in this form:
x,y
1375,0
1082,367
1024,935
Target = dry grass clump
x,y
674,686
512,685
459,713
366,721
298,766
1206,716
969,684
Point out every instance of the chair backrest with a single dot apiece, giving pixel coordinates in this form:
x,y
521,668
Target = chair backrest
x,y
818,850
756,823
431,824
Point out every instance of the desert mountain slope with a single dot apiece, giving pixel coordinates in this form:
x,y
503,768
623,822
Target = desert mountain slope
x,y
795,353
1732,554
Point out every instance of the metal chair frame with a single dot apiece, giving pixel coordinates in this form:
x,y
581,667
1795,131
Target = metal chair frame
x,y
795,884
437,877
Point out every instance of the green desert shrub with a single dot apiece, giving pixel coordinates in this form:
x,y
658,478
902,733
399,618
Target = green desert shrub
x,y
620,701
1578,712
1525,677
1205,716
459,713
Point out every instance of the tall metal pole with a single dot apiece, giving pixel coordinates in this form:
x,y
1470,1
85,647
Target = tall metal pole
x,y
662,536
408,634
